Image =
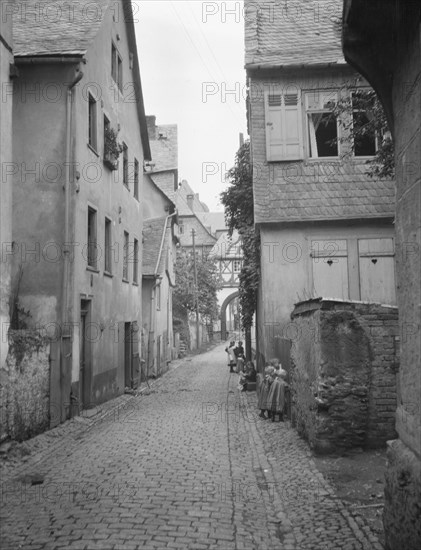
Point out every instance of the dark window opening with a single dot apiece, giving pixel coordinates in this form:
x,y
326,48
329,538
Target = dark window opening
x,y
116,67
107,246
135,261
364,138
126,257
136,179
125,165
92,239
323,135
92,123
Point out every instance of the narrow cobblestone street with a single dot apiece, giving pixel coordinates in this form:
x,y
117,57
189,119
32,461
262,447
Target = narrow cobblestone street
x,y
188,465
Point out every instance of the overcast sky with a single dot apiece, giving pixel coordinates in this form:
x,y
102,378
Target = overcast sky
x,y
191,56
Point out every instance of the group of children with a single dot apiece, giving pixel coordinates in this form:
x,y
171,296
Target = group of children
x,y
271,391
236,363
271,387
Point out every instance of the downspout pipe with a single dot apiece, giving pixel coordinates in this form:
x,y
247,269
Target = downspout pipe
x,y
157,279
65,327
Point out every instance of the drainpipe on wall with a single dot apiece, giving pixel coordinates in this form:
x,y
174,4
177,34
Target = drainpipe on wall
x,y
153,293
67,181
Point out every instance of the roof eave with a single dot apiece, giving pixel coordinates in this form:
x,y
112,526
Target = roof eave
x,y
39,59
278,66
136,73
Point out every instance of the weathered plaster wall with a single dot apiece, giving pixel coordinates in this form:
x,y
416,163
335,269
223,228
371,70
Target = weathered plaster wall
x,y
39,151
38,197
345,360
113,301
403,480
6,160
287,266
24,386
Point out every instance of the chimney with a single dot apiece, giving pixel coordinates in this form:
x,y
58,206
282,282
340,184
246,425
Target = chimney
x,y
190,201
151,123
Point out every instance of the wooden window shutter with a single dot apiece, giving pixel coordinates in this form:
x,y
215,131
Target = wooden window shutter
x,y
283,126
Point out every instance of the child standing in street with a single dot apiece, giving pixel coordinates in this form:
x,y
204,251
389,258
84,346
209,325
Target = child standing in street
x,y
262,402
231,355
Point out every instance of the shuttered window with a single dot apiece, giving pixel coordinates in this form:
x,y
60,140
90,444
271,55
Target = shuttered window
x,y
283,126
330,268
377,270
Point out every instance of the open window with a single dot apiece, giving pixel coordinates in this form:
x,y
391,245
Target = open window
x,y
126,256
92,239
136,179
283,125
135,261
92,122
365,139
125,165
107,246
322,125
116,67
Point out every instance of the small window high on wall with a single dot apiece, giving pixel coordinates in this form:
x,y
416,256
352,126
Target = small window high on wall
x,y
322,125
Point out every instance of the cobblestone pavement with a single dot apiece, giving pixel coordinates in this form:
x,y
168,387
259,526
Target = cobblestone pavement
x,y
188,465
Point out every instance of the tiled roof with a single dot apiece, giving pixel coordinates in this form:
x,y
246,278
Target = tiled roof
x,y
214,220
152,238
67,28
56,27
183,191
293,33
348,194
182,206
165,183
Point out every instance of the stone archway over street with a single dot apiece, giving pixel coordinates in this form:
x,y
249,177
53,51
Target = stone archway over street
x,y
223,314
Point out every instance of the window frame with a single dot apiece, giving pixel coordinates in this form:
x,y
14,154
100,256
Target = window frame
x,y
321,110
234,263
136,173
135,261
158,296
376,137
126,247
125,153
116,66
92,122
107,246
92,238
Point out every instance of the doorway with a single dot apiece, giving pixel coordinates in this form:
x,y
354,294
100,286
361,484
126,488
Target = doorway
x,y
128,355
85,363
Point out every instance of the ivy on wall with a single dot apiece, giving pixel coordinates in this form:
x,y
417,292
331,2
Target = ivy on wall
x,y
239,215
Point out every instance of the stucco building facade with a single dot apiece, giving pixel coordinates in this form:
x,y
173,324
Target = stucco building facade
x,y
6,167
326,228
77,218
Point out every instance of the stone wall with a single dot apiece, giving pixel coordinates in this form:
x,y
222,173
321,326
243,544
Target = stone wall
x,y
343,374
25,386
383,42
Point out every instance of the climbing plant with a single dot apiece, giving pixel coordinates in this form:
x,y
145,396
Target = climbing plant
x,y
239,214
